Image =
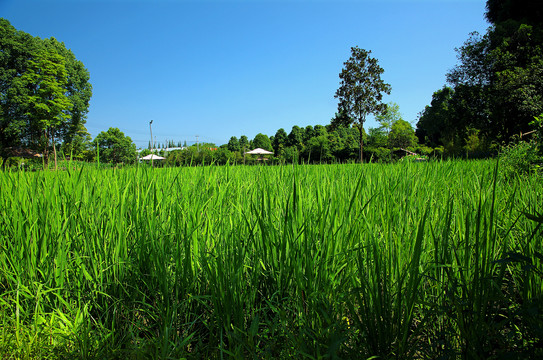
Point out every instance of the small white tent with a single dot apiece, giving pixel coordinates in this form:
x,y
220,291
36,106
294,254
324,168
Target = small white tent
x,y
152,157
259,151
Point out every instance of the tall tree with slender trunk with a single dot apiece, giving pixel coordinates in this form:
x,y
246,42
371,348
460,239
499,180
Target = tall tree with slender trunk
x,y
360,92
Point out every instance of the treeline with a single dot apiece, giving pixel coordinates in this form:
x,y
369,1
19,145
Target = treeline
x,y
310,144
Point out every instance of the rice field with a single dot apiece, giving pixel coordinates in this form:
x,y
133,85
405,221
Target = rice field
x,y
409,260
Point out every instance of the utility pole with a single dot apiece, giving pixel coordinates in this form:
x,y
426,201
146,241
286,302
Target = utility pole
x,y
151,129
197,146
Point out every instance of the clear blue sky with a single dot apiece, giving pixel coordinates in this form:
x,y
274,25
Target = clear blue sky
x,y
229,68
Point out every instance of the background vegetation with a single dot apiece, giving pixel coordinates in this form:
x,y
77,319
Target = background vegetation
x,y
490,101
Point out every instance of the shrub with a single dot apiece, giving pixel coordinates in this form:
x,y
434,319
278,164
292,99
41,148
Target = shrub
x,y
378,154
525,157
438,151
521,158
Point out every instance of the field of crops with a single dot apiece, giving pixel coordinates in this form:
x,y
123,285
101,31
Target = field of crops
x,y
408,260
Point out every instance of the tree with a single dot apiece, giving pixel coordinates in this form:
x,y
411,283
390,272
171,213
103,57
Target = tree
x,y
243,143
470,104
361,91
279,141
233,144
17,48
318,148
435,121
79,144
308,133
47,103
291,154
377,137
262,141
222,156
320,130
296,137
378,144
389,117
115,147
402,135
336,143
348,139
78,90
517,83
44,92
527,11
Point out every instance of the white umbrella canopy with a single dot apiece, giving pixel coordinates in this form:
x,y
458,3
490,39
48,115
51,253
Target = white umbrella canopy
x,y
153,157
259,151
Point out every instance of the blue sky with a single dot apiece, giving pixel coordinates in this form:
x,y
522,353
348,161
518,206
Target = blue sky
x,y
239,67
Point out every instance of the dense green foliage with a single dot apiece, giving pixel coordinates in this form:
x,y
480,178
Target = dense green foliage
x,y
427,260
387,118
262,141
114,147
525,157
521,158
497,86
44,94
402,135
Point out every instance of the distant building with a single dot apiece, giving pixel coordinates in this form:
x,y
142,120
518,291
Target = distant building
x,y
166,150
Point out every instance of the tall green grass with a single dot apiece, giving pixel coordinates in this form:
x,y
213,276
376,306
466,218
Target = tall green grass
x,y
437,260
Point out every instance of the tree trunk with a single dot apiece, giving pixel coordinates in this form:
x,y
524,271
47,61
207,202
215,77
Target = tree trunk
x,y
46,150
361,129
54,151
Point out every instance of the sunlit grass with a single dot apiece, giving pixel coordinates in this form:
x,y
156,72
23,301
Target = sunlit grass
x,y
398,261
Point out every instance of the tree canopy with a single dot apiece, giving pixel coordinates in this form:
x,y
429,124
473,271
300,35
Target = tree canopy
x,y
114,147
388,117
434,124
262,141
280,140
526,11
402,135
233,144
